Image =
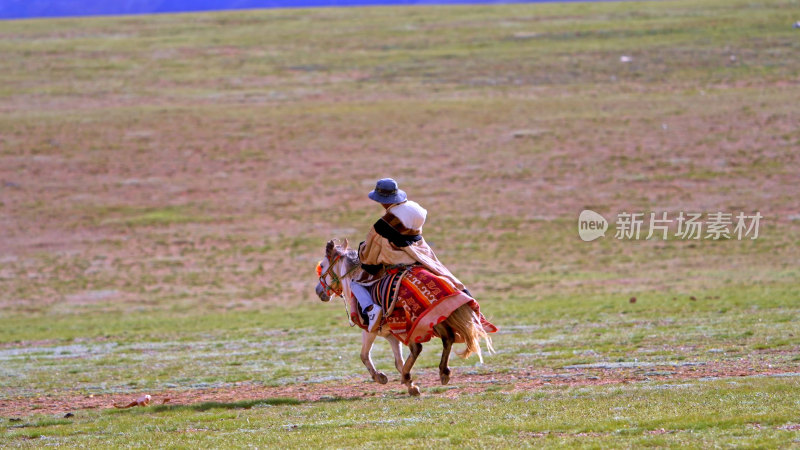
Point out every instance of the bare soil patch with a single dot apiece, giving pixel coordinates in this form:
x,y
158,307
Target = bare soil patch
x,y
518,381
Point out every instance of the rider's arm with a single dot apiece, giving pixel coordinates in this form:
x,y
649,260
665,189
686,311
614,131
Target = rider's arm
x,y
368,253
379,251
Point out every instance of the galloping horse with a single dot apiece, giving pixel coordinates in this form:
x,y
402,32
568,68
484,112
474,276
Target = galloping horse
x,y
463,324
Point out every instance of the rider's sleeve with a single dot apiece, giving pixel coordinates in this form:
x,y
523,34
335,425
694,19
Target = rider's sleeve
x,y
378,251
370,270
368,253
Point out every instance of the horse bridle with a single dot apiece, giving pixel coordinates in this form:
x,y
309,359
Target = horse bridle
x,y
329,288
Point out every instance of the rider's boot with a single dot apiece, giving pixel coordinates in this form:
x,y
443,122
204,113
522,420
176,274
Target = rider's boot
x,y
374,314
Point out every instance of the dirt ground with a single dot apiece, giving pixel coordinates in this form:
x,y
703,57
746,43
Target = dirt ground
x,y
520,380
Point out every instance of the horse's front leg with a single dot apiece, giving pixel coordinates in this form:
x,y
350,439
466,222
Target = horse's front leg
x,y
416,349
367,339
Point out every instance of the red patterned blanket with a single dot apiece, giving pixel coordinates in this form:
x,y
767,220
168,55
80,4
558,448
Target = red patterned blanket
x,y
415,300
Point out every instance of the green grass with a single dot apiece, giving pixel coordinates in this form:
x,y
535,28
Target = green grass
x,y
245,404
167,184
745,412
151,217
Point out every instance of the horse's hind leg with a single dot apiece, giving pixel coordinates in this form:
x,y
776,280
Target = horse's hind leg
x,y
448,338
416,349
399,362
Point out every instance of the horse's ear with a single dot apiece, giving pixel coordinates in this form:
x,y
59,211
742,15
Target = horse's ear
x,y
345,243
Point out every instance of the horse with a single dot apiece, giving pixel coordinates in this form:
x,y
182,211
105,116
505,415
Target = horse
x,y
341,264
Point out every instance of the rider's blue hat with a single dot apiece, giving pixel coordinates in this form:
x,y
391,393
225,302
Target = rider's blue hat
x,y
386,192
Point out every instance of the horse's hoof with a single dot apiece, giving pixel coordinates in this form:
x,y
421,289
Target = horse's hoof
x,y
445,378
414,391
381,378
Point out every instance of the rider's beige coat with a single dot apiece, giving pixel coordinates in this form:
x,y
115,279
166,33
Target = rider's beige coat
x,y
378,250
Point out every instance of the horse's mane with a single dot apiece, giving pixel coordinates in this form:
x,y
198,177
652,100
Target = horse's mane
x,y
350,254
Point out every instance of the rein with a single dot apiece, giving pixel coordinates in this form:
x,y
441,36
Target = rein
x,y
329,289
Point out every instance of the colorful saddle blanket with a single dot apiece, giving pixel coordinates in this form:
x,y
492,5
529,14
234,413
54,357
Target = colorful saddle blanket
x,y
414,301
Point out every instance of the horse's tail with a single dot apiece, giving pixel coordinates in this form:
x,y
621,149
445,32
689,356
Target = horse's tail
x,y
467,324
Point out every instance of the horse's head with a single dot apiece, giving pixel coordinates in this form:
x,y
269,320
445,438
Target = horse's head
x,y
330,282
322,293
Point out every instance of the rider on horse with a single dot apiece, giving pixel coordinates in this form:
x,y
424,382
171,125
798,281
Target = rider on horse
x,y
395,240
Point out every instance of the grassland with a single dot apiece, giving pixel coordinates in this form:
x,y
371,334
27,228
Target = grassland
x,y
167,184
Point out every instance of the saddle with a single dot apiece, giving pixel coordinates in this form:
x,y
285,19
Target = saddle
x,y
414,301
384,293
